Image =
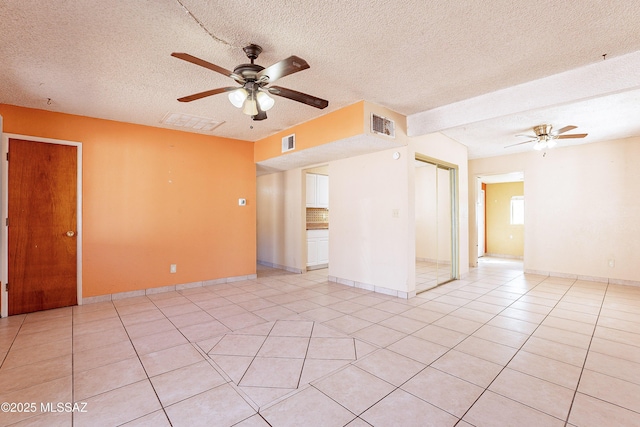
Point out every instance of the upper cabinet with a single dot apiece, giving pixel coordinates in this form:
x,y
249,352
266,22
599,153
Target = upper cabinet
x,y
317,191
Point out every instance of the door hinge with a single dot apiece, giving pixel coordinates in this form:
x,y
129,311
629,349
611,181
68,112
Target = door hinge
x,y
7,156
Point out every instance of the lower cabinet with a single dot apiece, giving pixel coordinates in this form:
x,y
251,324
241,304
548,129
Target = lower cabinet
x,y
317,247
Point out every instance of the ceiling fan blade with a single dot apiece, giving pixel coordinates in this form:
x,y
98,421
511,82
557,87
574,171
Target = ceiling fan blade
x,y
298,96
206,93
575,135
520,143
291,65
208,65
565,129
528,136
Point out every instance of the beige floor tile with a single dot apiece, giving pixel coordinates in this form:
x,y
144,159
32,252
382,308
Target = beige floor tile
x,y
554,371
616,335
290,347
501,336
347,323
149,328
614,367
240,321
527,316
160,341
260,397
100,356
458,324
513,324
47,419
254,421
35,373
119,406
192,380
273,372
439,335
166,360
539,394
557,351
233,366
29,340
57,390
587,411
108,377
403,324
617,349
372,314
404,409
331,348
285,328
306,408
315,369
154,419
610,389
469,368
191,318
487,350
37,353
418,349
238,345
493,410
354,388
203,331
379,335
99,339
390,366
569,325
443,390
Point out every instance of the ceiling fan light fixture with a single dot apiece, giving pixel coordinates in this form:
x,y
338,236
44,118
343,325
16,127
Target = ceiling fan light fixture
x,y
265,101
540,145
551,142
250,107
238,96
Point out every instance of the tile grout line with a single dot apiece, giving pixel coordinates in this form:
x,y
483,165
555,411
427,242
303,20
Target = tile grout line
x,y
595,325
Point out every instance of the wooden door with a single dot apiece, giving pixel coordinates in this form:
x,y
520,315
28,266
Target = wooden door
x,y
42,207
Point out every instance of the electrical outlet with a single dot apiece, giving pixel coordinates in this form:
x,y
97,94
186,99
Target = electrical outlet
x,y
395,213
612,263
173,268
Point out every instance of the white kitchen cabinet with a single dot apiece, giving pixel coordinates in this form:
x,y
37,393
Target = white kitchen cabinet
x,y
317,247
317,191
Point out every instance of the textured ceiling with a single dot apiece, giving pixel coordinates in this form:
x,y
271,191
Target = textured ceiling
x,y
111,59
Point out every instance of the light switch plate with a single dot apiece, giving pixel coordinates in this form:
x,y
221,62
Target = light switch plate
x,y
242,202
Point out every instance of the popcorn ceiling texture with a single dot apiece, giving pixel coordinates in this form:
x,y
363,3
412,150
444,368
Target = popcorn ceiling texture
x,y
112,59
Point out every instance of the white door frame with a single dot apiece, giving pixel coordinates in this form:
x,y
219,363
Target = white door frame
x,y
4,240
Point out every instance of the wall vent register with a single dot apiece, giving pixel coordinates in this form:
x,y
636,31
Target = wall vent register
x,y
289,143
382,125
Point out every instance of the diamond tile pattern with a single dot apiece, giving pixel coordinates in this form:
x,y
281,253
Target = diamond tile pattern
x,y
497,348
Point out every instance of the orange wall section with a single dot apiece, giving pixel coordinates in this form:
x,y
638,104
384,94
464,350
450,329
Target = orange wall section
x,y
154,197
334,126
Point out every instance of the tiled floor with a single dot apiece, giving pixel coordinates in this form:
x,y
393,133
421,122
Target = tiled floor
x,y
498,348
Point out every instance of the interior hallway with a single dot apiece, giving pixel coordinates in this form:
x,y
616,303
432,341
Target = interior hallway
x,y
498,348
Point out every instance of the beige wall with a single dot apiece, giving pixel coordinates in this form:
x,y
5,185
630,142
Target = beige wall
x,y
503,238
582,208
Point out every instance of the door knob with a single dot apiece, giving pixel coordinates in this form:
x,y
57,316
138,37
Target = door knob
x,y
70,233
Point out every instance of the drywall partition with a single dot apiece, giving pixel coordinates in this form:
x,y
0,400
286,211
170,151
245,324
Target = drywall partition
x,y
581,208
280,220
370,222
155,197
503,238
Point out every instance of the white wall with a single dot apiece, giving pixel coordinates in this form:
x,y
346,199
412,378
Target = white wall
x,y
280,220
367,243
426,213
582,208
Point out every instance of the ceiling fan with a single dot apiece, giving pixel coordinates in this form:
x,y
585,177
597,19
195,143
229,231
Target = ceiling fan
x,y
253,94
545,137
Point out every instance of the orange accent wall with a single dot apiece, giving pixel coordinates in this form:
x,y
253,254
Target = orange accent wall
x,y
154,197
337,125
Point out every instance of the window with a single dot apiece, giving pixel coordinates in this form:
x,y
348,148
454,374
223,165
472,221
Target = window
x,y
517,210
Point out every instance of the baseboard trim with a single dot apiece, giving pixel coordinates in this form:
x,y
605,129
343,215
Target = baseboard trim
x,y
281,267
369,287
607,280
162,289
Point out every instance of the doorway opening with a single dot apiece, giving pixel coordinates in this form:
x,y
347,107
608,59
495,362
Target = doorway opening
x,y
436,213
500,219
317,217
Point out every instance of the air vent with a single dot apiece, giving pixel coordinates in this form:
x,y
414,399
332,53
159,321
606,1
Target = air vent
x,y
289,143
382,125
190,122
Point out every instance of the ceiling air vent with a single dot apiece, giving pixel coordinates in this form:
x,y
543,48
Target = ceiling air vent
x,y
289,143
382,125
